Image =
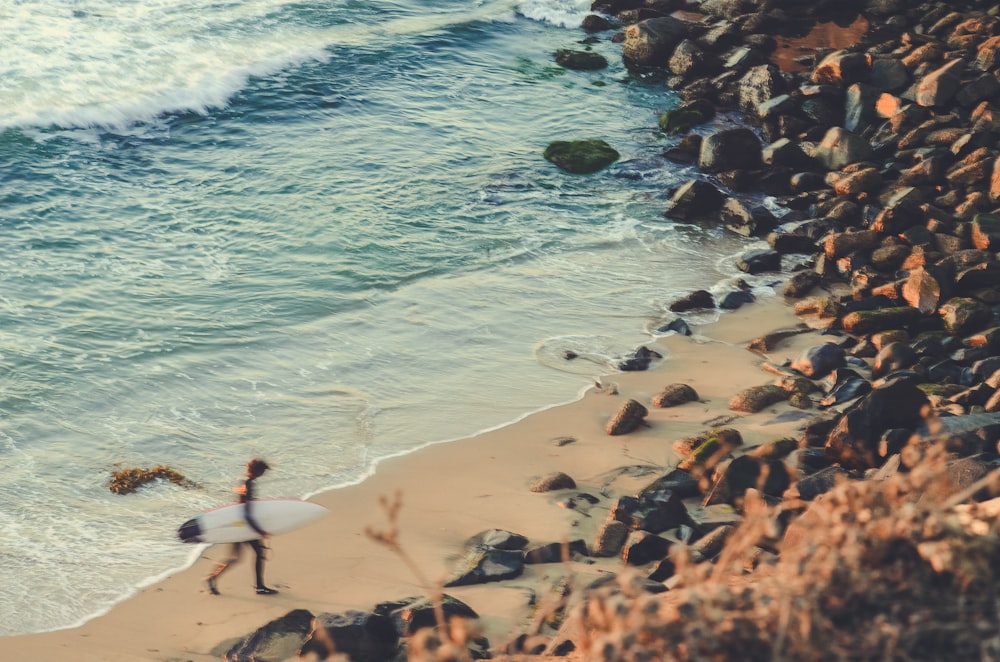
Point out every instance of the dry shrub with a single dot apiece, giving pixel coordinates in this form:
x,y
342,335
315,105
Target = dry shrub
x,y
880,569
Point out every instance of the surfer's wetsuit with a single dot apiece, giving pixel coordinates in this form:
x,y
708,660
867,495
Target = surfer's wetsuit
x,y
246,498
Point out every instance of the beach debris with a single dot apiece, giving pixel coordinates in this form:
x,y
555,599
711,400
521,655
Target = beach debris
x,y
673,395
127,481
556,480
629,417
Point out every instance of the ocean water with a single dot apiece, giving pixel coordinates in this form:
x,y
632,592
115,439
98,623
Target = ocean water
x,y
317,231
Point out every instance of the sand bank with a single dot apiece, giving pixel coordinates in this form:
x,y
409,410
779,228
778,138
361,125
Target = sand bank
x,y
450,492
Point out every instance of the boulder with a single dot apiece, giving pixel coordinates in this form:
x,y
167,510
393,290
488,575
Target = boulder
x,y
550,482
673,395
651,42
840,148
279,639
359,636
412,614
695,300
818,361
695,200
730,149
756,398
580,60
629,417
581,157
941,85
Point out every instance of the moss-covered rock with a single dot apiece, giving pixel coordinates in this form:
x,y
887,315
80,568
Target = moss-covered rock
x,y
126,481
681,120
580,60
863,322
581,157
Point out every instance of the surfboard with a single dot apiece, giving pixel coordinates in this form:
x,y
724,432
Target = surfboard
x,y
228,523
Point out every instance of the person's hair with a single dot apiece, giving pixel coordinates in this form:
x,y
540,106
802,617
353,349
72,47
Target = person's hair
x,y
256,467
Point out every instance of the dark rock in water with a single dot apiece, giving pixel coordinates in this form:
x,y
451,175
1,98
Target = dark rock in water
x,y
747,221
278,640
581,157
759,261
735,299
555,552
897,403
412,614
630,417
642,547
357,635
678,326
695,200
818,361
801,283
556,480
640,360
730,149
673,395
580,60
693,301
596,23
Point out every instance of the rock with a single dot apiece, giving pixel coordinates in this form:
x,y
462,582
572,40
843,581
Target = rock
x,y
986,232
482,564
279,639
688,59
759,261
498,539
550,482
756,398
759,84
854,441
642,547
581,157
922,291
580,60
711,448
556,552
940,86
749,222
673,395
847,387
840,148
650,43
730,149
819,360
359,636
640,360
811,486
962,315
892,357
800,284
735,299
862,322
710,545
652,511
416,613
693,301
748,472
695,200
842,68
610,538
841,244
630,416
678,482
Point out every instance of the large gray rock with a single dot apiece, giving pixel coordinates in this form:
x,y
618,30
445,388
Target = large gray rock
x,y
941,85
278,640
730,149
758,85
650,43
840,148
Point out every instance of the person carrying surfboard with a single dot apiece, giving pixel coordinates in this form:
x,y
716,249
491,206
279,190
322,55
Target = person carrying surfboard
x,y
255,469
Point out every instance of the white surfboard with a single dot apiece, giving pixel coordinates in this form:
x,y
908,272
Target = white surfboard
x,y
228,523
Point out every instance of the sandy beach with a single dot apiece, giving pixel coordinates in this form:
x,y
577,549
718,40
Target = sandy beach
x,y
450,492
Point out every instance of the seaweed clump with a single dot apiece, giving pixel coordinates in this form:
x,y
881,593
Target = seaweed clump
x,y
126,481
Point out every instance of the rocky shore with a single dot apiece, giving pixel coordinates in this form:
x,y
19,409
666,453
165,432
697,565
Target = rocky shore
x,y
842,503
870,532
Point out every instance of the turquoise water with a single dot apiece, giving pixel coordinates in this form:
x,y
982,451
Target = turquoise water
x,y
321,232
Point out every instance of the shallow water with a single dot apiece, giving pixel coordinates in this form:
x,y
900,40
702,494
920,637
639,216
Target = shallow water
x,y
318,232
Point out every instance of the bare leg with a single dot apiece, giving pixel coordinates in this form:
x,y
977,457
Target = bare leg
x,y
220,567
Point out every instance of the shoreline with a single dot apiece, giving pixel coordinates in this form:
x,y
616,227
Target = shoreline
x,y
321,569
